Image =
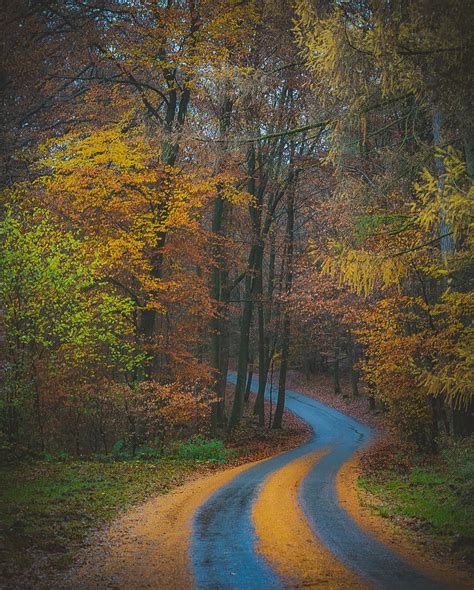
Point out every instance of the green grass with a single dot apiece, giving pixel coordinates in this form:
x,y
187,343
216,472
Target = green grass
x,y
433,496
201,449
51,506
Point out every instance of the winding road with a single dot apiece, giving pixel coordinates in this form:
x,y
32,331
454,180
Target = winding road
x,y
225,544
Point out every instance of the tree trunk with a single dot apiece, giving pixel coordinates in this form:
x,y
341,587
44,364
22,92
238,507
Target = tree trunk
x,y
216,320
354,359
255,266
337,381
265,352
262,357
248,388
285,348
225,350
174,119
446,240
217,275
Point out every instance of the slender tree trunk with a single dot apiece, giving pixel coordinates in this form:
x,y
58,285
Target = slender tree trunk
x,y
447,245
446,241
265,352
262,361
337,381
285,348
239,393
248,388
174,119
262,357
271,394
217,273
255,266
216,320
278,419
354,359
225,350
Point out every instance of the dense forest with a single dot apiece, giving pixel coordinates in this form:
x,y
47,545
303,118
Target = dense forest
x,y
193,187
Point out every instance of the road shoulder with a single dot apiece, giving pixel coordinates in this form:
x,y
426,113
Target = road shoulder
x,y
416,552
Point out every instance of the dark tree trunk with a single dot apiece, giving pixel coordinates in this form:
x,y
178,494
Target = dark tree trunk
x,y
262,359
337,381
225,351
219,276
285,348
147,323
216,320
354,359
248,388
255,266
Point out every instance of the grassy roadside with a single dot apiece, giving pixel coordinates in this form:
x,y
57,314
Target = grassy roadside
x,y
432,496
48,508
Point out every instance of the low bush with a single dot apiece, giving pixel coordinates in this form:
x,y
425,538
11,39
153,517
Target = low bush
x,y
202,449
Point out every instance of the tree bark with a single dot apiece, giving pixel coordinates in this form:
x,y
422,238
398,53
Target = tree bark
x,y
354,359
255,263
290,228
336,372
216,321
248,388
254,266
265,352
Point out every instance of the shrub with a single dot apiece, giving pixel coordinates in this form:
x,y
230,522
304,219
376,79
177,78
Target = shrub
x,y
202,449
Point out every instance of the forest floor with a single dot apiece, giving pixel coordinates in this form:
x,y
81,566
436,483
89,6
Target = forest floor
x,y
51,509
61,518
184,538
321,388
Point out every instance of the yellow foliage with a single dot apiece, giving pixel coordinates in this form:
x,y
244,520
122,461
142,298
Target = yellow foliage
x,y
364,271
418,348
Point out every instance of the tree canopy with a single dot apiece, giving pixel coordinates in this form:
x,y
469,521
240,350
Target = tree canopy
x,y
196,186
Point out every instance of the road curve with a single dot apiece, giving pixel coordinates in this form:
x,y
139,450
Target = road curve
x,y
223,543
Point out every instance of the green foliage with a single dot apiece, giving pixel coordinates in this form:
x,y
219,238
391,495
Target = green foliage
x,y
60,325
40,281
51,297
371,223
435,495
120,452
202,449
118,447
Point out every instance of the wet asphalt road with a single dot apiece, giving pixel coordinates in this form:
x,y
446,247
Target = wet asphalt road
x,y
223,539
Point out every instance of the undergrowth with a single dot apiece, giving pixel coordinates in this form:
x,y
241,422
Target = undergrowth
x,y
49,505
430,494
